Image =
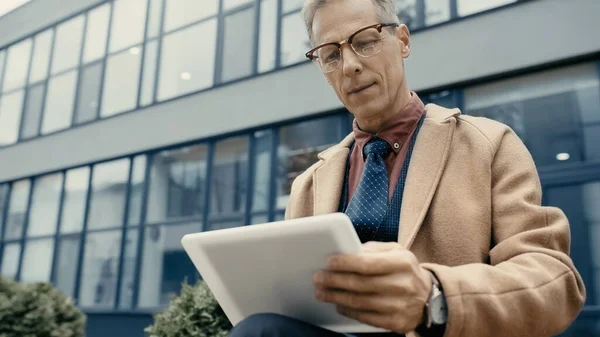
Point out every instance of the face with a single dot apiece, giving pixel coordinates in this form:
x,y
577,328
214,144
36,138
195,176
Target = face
x,y
371,86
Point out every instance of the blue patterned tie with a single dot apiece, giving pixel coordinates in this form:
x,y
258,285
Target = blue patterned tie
x,y
369,204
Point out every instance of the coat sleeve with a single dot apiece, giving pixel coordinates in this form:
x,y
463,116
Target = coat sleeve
x,y
530,286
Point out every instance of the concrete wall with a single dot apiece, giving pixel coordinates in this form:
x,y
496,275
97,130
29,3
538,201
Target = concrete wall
x,y
504,40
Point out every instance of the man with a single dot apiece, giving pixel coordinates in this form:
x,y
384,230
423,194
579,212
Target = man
x,y
456,241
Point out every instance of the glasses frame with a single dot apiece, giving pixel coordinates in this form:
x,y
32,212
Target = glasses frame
x,y
378,26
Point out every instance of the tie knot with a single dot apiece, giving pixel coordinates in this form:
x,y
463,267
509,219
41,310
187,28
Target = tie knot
x,y
377,146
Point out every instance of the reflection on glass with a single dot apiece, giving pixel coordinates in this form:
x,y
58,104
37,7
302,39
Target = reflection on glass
x,y
45,201
136,189
149,73
109,187
437,11
238,44
32,116
96,33
294,41
128,20
177,183
89,93
76,187
65,268
121,83
15,219
11,106
580,204
10,260
299,145
59,102
154,18
3,200
165,264
128,271
185,66
41,56
290,5
229,177
182,12
99,274
468,7
407,13
268,35
17,64
2,59
229,4
551,111
67,44
37,260
262,170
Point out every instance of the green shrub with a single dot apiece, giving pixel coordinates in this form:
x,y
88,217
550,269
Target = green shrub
x,y
37,310
195,312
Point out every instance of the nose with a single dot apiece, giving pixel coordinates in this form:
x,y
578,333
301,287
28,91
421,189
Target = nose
x,y
351,62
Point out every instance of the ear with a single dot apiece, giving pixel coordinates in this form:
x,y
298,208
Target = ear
x,y
403,37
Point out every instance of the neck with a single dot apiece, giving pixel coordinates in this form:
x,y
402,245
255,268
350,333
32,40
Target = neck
x,y
375,123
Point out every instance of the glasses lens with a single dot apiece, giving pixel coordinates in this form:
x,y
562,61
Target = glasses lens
x,y
367,43
328,57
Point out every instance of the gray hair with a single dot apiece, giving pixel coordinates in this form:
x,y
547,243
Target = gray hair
x,y
386,13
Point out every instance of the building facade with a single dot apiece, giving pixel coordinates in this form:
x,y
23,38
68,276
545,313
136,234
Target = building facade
x,y
125,124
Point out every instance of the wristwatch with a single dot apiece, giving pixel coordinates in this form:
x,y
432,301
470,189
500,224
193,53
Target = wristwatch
x,y
436,310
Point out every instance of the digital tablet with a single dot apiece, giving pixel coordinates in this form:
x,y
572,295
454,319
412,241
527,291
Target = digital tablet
x,y
268,268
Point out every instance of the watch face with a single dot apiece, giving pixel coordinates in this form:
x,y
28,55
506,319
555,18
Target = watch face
x,y
439,310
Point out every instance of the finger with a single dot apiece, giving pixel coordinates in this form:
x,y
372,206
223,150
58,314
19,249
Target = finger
x,y
368,302
379,263
376,246
368,284
375,319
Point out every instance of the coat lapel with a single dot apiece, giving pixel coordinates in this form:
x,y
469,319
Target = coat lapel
x,y
426,166
328,179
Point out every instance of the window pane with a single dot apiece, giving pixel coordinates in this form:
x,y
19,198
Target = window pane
x,y
45,201
3,201
121,83
76,187
99,274
129,263
229,177
89,93
290,5
437,11
10,260
67,47
136,190
2,59
15,219
262,170
467,7
41,56
165,264
550,111
95,37
149,73
59,102
128,23
11,106
407,13
17,64
592,139
259,219
299,145
177,183
268,35
238,45
294,41
185,66
229,4
182,12
37,260
154,18
581,204
109,186
65,268
32,117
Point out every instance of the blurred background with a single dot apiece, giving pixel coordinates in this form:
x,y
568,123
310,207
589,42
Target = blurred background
x,y
125,124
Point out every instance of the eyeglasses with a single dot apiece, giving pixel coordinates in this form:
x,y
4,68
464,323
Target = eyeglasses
x,y
365,42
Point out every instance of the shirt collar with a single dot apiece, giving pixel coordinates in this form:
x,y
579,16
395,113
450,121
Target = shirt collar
x,y
397,130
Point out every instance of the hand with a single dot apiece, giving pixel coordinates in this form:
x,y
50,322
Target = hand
x,y
384,286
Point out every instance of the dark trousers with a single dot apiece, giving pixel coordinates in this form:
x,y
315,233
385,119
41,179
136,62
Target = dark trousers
x,y
273,325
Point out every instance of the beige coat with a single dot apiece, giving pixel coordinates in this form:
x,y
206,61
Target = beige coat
x,y
471,214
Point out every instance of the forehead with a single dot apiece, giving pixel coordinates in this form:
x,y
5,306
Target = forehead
x,y
338,19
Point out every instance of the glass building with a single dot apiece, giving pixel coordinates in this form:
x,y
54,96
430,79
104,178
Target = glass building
x,y
125,124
